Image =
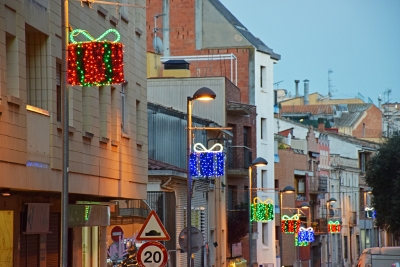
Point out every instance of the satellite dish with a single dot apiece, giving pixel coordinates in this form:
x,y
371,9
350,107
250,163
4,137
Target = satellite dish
x,y
158,45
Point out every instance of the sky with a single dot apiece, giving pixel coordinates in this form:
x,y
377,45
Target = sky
x,y
358,40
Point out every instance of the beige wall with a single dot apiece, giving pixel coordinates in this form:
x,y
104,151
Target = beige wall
x,y
316,99
104,159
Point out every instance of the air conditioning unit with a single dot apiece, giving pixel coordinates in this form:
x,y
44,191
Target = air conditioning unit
x,y
267,265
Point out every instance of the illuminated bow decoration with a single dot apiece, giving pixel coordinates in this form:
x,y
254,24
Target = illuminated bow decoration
x,y
199,148
76,32
334,227
294,217
290,225
262,211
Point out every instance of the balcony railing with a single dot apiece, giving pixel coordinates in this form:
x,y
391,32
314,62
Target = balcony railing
x,y
352,218
239,157
318,184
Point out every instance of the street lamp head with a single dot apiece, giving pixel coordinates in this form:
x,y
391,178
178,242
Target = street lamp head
x,y
288,189
259,162
332,199
304,205
204,93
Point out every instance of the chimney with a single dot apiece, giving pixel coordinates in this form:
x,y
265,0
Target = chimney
x,y
306,101
321,125
297,87
176,68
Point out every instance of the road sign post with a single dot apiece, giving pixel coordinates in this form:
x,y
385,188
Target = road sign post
x,y
152,254
153,229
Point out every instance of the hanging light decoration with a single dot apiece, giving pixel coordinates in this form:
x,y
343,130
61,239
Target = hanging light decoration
x,y
297,240
207,162
370,212
95,62
334,227
290,225
262,211
306,235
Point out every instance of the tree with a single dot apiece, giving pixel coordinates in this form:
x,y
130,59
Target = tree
x,y
383,176
238,226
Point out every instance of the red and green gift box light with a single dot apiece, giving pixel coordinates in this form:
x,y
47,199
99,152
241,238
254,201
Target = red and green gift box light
x,y
290,225
334,227
95,63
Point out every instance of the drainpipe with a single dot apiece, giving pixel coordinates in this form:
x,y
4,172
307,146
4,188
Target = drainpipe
x,y
164,185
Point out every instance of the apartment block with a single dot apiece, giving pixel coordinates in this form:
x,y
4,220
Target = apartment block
x,y
107,131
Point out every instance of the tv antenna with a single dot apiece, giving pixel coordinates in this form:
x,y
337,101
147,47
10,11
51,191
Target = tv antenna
x,y
277,84
157,42
330,86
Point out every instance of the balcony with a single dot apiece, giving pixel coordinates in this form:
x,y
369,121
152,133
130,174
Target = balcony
x,y
352,218
238,160
318,184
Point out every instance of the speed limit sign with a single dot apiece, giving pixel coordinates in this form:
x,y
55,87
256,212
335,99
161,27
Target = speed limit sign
x,y
152,254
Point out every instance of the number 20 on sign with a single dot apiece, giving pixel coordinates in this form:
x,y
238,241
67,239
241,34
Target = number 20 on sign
x,y
152,254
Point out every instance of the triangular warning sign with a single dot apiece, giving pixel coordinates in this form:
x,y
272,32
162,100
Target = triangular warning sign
x,y
153,229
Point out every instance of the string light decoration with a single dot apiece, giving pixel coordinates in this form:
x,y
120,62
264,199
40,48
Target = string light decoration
x,y
306,235
297,239
334,227
262,211
207,162
370,212
290,225
95,62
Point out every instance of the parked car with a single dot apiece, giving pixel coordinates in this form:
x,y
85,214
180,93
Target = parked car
x,y
379,257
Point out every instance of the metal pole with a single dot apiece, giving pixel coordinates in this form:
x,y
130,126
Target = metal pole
x,y
280,234
64,192
365,218
250,225
189,182
327,235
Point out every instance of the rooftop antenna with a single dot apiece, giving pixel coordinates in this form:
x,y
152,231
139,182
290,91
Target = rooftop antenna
x,y
157,42
387,92
330,86
277,84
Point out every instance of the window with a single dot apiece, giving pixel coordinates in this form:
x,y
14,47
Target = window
x,y
124,112
115,120
264,179
263,128
265,234
58,88
263,76
37,68
90,107
105,110
345,245
138,119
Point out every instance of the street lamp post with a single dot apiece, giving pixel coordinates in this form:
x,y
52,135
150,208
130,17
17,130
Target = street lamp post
x,y
303,205
203,93
286,189
257,162
331,200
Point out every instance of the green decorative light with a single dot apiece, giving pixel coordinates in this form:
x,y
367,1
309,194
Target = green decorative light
x,y
262,211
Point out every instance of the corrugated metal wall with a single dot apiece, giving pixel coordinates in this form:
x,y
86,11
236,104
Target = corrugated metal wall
x,y
174,92
167,138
